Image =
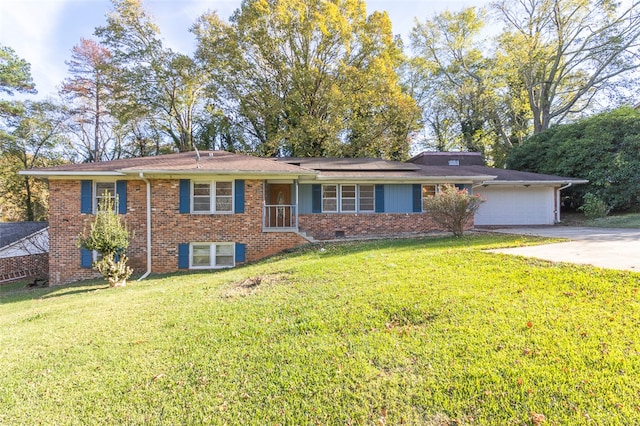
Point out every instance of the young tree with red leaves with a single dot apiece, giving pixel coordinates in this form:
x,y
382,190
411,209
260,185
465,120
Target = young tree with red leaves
x,y
88,88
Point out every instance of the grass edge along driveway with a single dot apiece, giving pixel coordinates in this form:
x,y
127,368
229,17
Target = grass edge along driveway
x,y
429,331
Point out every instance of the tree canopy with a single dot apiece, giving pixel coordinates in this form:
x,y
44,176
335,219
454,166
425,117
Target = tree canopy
x,y
553,61
566,51
155,84
309,78
15,73
87,89
603,149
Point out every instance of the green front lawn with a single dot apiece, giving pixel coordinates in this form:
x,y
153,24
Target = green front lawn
x,y
629,220
626,220
431,331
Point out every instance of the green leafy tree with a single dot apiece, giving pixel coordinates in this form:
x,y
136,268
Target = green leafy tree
x,y
565,52
454,76
31,139
593,207
109,236
15,76
555,60
29,135
155,84
603,149
452,208
469,99
309,78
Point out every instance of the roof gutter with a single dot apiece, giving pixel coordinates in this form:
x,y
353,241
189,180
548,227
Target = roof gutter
x,y
146,274
566,183
260,173
404,179
30,172
566,186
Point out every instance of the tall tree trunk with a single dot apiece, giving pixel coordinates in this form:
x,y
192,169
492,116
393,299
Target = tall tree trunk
x,y
28,200
96,130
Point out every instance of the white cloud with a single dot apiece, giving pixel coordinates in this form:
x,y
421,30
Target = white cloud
x,y
44,31
28,27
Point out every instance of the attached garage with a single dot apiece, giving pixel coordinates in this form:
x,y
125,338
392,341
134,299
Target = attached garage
x,y
516,205
512,197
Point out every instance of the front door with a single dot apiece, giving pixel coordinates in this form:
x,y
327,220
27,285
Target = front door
x,y
279,210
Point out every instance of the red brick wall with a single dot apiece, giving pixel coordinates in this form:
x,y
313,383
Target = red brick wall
x,y
65,224
323,226
15,268
168,228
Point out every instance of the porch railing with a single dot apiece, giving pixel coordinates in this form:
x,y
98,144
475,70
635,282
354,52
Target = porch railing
x,y
280,216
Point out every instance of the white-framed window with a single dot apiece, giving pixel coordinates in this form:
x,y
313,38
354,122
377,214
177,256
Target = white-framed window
x,y
330,198
212,197
348,198
428,191
366,198
211,255
102,191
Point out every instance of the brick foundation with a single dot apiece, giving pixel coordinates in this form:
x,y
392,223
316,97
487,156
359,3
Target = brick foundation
x,y
327,226
21,267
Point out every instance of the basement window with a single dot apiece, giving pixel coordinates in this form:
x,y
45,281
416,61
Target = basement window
x,y
211,255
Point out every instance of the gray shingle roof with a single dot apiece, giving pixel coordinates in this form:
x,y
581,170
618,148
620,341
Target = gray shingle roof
x,y
348,164
210,161
10,232
427,165
442,158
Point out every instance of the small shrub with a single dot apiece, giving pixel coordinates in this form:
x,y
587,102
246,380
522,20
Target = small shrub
x,y
594,207
108,236
114,269
452,208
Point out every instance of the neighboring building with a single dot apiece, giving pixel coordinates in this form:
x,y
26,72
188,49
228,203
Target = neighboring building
x,y
23,250
220,209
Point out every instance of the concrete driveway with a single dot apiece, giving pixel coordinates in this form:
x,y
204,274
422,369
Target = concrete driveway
x,y
602,247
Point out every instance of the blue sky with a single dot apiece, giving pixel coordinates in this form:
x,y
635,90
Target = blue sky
x,y
44,31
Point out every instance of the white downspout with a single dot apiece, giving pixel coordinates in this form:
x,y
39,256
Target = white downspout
x,y
558,200
297,206
146,274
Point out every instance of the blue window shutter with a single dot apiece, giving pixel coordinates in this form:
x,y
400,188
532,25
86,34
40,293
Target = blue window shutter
x,y
86,258
241,252
316,198
239,196
417,198
183,256
185,196
86,196
379,191
121,191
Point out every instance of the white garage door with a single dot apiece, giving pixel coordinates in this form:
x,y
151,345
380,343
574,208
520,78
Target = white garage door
x,y
518,205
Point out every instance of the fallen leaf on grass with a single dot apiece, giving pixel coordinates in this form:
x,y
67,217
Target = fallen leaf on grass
x,y
537,418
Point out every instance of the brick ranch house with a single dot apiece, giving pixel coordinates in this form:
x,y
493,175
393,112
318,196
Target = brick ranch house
x,y
220,209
